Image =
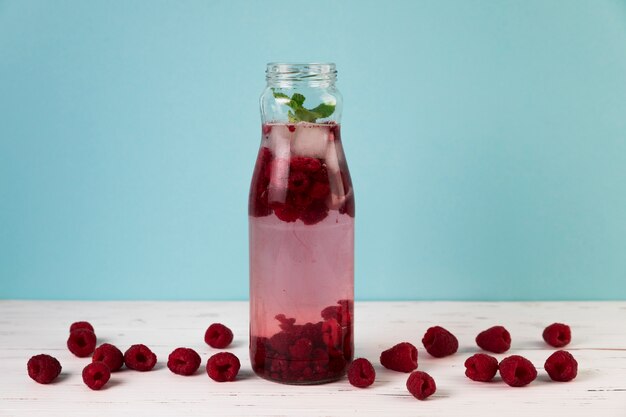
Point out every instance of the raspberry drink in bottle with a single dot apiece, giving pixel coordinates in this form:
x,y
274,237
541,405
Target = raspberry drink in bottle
x,y
301,225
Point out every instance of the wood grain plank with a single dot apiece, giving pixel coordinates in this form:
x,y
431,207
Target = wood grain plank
x,y
32,327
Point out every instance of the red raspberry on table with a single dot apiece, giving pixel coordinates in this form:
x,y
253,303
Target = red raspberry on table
x,y
401,357
218,336
421,385
439,342
110,355
517,371
81,342
81,325
43,368
495,339
140,358
481,367
361,373
561,366
223,367
557,334
96,375
183,361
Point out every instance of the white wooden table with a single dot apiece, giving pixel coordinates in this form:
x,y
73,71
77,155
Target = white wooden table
x,y
31,327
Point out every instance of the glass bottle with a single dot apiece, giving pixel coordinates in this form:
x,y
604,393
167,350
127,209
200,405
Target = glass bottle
x,y
301,225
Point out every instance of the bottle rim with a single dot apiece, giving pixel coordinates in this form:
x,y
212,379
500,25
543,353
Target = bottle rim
x,y
301,71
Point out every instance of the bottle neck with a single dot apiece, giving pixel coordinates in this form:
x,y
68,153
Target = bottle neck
x,y
312,75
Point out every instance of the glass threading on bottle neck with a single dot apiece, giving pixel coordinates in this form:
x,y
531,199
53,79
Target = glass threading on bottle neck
x,y
285,75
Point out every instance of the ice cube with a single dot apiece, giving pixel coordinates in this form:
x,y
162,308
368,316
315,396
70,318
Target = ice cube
x,y
280,141
310,140
332,158
337,193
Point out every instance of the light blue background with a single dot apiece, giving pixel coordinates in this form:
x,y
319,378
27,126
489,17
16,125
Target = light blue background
x,y
486,139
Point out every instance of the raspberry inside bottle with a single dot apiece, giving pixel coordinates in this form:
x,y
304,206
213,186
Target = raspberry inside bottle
x,y
301,225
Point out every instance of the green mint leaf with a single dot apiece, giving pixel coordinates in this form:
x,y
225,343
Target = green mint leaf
x,y
305,115
298,99
324,110
298,113
278,94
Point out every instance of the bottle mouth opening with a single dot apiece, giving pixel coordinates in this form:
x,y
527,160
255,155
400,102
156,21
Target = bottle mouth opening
x,y
282,71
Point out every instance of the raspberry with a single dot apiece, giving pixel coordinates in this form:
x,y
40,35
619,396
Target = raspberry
x,y
43,368
495,339
313,332
331,312
140,358
301,349
319,354
184,361
402,357
331,333
258,352
557,334
348,345
561,366
223,367
347,309
320,190
81,342
315,213
286,212
517,371
336,361
218,336
81,325
300,201
281,341
110,355
96,375
285,322
342,312
305,163
258,205
421,385
481,367
298,181
361,373
439,342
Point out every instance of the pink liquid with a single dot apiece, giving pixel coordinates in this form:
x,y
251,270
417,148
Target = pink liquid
x,y
301,255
